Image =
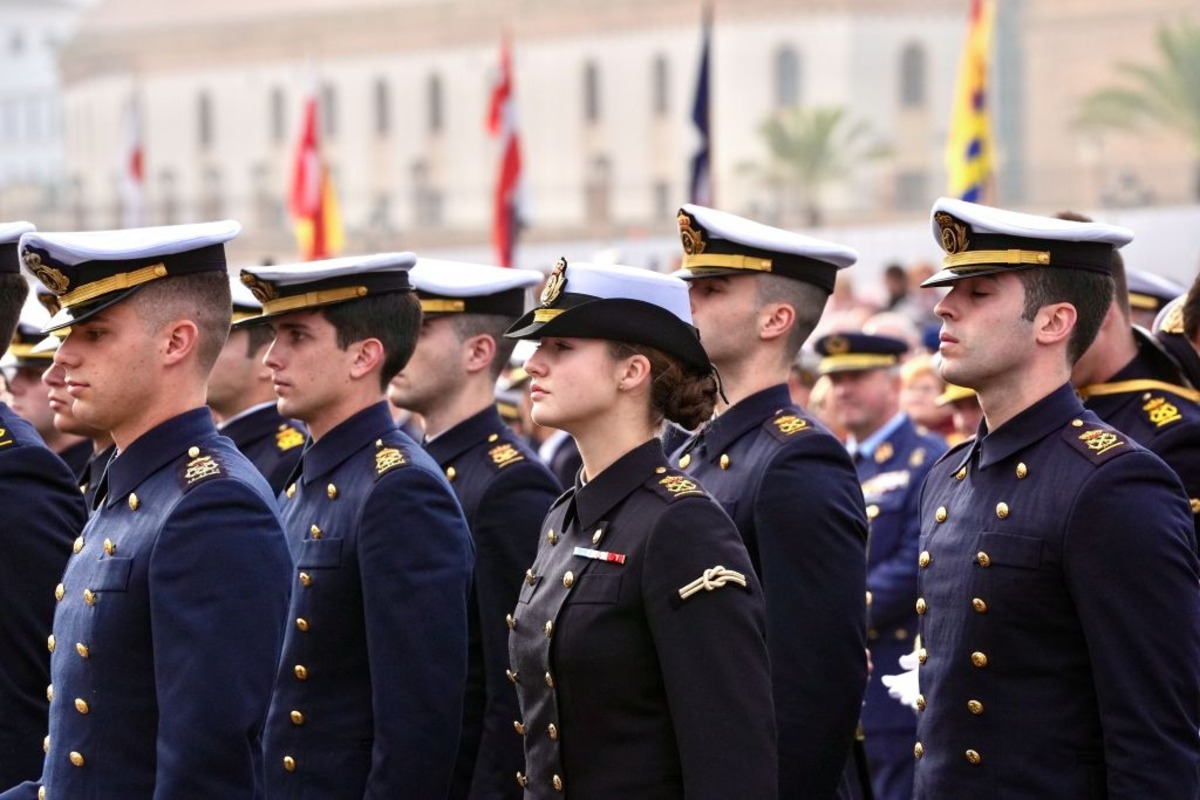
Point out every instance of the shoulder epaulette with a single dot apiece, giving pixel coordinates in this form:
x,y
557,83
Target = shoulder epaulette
x,y
198,467
1160,411
6,438
672,485
288,437
388,457
1096,442
503,454
786,424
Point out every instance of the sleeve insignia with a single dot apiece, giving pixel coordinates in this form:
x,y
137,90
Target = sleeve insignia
x,y
388,459
5,439
884,452
711,580
917,458
288,437
504,454
785,426
1161,412
200,468
1097,444
674,486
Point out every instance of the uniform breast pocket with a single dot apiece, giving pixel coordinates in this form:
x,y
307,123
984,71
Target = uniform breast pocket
x,y
111,575
320,554
595,590
1009,550
528,587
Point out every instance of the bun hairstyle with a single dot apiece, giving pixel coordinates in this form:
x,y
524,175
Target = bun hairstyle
x,y
677,393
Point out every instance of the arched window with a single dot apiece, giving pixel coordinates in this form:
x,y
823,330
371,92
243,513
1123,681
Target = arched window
x,y
787,78
591,92
912,76
661,79
433,100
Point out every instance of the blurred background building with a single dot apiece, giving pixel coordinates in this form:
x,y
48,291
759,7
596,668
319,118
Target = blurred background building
x,y
206,98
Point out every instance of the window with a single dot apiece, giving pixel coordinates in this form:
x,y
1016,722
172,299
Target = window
x,y
787,78
210,196
204,120
278,116
912,76
661,90
598,189
433,100
427,201
591,92
663,207
912,190
383,118
168,197
329,111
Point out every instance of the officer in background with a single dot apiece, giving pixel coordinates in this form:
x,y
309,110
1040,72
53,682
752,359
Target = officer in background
x,y
756,294
1131,383
1148,293
1060,623
242,397
1177,329
964,412
892,458
43,513
368,698
503,488
27,362
170,613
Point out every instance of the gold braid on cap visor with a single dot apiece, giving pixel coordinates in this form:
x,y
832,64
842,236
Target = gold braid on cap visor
x,y
112,283
978,260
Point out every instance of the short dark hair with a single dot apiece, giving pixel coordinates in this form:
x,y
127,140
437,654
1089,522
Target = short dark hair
x,y
258,336
201,297
13,291
394,318
806,299
493,325
1090,292
1120,282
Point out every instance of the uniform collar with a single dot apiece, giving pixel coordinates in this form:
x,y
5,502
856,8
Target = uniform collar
x,y
869,445
469,433
748,413
347,438
597,497
245,413
1047,415
156,448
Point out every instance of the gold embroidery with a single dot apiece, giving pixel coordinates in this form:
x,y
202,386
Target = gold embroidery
x,y
1100,441
555,283
504,454
693,240
388,458
288,437
1161,412
262,290
678,484
200,468
790,424
53,279
955,236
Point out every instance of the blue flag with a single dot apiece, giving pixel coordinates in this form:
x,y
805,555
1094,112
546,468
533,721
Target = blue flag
x,y
700,185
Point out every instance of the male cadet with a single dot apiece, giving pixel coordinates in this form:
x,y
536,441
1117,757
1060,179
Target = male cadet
x,y
368,697
1177,329
1131,383
100,441
504,489
757,293
30,400
170,613
892,458
43,512
242,397
1060,623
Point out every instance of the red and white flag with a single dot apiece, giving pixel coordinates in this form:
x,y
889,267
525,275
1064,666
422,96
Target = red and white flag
x,y
133,182
313,201
502,123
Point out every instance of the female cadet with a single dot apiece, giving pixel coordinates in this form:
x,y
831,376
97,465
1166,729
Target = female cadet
x,y
637,643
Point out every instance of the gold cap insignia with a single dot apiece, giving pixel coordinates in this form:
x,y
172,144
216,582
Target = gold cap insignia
x,y
504,454
693,240
200,468
1100,441
955,235
53,279
555,283
1174,321
387,458
837,345
263,291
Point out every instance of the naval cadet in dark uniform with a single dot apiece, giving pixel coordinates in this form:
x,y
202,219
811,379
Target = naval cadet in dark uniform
x,y
28,361
1177,329
892,458
368,697
757,293
170,612
1060,622
503,487
1135,385
43,514
242,397
637,644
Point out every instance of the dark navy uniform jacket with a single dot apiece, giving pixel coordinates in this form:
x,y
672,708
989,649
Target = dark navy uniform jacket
x,y
272,442
43,513
628,688
891,479
505,491
167,627
795,498
1060,619
368,699
93,474
1144,401
77,457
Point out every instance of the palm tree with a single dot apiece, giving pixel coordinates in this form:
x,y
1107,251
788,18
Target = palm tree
x,y
809,149
1166,95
